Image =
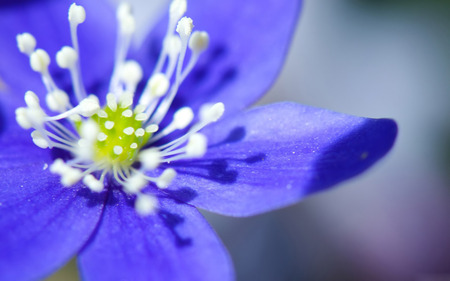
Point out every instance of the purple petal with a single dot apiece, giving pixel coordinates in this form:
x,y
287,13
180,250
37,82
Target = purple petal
x,y
248,43
174,244
272,156
43,224
48,22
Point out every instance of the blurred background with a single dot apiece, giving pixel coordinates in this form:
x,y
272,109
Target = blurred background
x,y
377,59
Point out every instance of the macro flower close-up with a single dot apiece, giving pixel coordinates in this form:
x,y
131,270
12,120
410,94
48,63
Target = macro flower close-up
x,y
110,145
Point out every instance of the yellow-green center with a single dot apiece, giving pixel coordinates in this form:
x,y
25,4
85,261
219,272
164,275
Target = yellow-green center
x,y
120,136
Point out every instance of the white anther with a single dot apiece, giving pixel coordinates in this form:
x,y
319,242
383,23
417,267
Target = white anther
x,y
196,146
182,117
139,108
159,84
123,10
150,158
111,101
127,24
184,27
102,114
89,130
211,113
118,150
58,166
32,100
39,140
131,72
199,41
102,136
140,132
88,106
128,131
66,57
127,113
69,175
141,117
26,43
134,145
145,204
92,183
153,128
166,178
177,9
77,14
39,61
22,118
109,125
126,100
135,183
57,100
173,45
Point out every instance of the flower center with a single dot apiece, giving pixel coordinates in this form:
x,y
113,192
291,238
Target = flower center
x,y
120,135
107,141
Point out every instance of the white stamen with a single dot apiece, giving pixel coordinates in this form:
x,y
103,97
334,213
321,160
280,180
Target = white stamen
x,y
135,183
199,41
166,178
32,100
150,158
89,130
92,183
131,73
57,100
26,43
77,14
39,61
22,118
212,113
134,145
111,102
39,140
184,27
196,146
145,204
67,57
127,22
118,149
88,106
177,9
183,117
157,86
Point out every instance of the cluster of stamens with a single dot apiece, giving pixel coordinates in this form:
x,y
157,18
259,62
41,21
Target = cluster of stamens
x,y
107,141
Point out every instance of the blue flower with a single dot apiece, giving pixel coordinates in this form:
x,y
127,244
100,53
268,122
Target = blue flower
x,y
129,212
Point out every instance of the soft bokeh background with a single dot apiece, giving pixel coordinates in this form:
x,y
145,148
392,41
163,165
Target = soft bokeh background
x,y
370,58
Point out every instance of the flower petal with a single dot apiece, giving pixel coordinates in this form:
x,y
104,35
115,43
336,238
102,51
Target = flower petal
x,y
43,224
174,244
48,22
272,156
248,43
